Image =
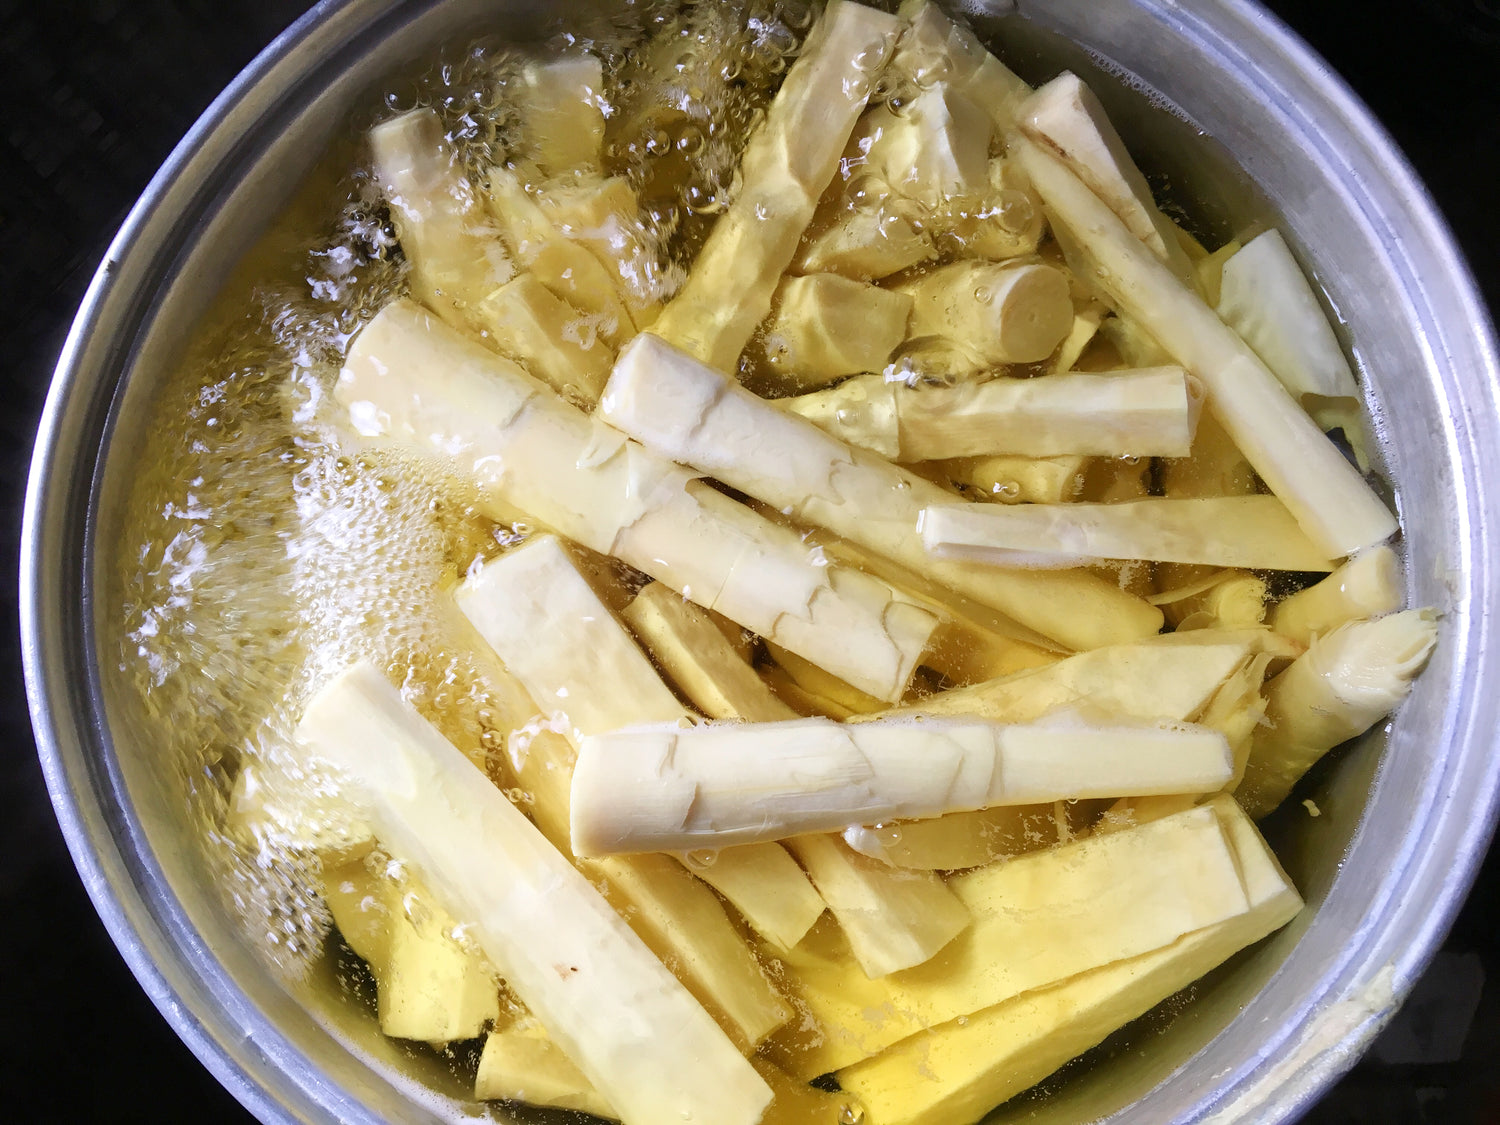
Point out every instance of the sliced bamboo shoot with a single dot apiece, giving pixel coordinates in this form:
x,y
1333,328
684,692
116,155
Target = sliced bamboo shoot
x,y
1039,919
961,840
1368,585
691,649
428,987
763,883
1266,298
1146,413
454,248
521,1064
603,215
1326,494
668,789
825,326
570,270
893,919
788,163
1065,115
411,380
563,112
865,244
971,1065
1236,531
638,1036
691,413
933,48
1346,682
1227,599
935,150
1019,480
551,630
555,341
995,313
1146,682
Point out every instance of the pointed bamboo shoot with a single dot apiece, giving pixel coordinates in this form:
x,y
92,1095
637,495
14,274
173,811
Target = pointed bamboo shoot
x,y
643,1042
1334,505
1346,682
1368,585
1147,413
1237,531
788,163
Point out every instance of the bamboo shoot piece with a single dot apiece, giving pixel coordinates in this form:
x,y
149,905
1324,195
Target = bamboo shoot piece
x,y
551,338
893,919
454,248
698,659
1336,508
1236,531
934,48
788,163
563,112
551,630
961,840
603,215
688,412
993,313
1144,682
1368,585
667,789
865,243
521,1064
764,883
411,380
1066,116
935,150
642,1041
1038,919
570,270
971,1065
825,326
428,987
1346,682
1266,298
1019,480
1226,599
1146,413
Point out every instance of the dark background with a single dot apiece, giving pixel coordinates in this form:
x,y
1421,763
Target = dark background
x,y
96,92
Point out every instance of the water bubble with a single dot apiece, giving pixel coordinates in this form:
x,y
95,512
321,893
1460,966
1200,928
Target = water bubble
x,y
1014,210
872,58
702,859
691,140
982,294
1007,490
703,200
851,1113
658,143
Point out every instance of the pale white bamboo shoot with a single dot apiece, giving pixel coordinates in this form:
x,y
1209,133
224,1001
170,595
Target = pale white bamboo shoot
x,y
1368,585
689,412
668,789
643,1042
1326,494
788,163
1238,531
825,326
411,380
994,313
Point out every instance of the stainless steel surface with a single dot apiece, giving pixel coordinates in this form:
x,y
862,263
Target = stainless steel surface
x,y
1386,874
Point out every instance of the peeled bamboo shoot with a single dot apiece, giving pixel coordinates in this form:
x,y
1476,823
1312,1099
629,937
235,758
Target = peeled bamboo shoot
x,y
1238,531
668,789
642,1041
1368,585
412,380
1336,508
686,411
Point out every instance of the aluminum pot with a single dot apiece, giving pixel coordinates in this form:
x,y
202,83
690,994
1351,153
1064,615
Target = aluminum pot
x,y
1407,811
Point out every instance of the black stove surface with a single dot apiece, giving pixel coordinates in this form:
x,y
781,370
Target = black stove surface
x,y
96,93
